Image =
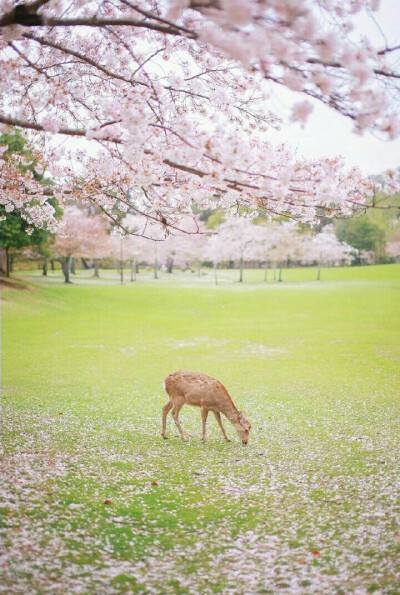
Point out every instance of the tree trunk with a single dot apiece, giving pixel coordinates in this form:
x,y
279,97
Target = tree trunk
x,y
266,271
45,266
66,266
52,265
85,264
319,269
3,261
215,272
96,267
133,269
280,272
155,268
241,270
121,263
8,262
72,266
170,264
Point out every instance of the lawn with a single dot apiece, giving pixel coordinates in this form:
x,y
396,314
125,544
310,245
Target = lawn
x,y
94,501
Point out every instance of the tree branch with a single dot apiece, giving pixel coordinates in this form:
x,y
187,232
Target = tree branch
x,y
21,15
82,57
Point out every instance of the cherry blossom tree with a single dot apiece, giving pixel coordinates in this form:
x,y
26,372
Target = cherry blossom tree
x,y
135,246
325,249
242,240
169,101
183,249
216,250
287,244
191,248
132,245
80,235
151,252
366,257
268,238
393,246
23,189
100,246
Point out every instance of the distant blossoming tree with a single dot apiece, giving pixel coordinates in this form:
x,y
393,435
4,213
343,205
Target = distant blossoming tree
x,y
183,249
325,249
81,235
133,246
288,244
242,241
216,250
173,95
393,246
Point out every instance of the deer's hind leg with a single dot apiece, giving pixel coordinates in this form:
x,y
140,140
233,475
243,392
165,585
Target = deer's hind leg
x,y
165,412
177,406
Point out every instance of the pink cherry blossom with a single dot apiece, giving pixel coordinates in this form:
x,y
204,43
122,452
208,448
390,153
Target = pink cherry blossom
x,y
166,102
301,111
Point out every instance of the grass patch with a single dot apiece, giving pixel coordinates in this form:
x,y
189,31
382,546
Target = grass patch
x,y
94,499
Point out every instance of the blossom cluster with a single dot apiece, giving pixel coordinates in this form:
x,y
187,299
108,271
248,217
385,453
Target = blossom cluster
x,y
22,192
174,98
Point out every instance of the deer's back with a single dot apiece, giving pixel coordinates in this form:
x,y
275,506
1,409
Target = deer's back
x,y
196,389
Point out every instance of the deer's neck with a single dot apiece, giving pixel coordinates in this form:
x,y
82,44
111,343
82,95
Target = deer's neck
x,y
230,411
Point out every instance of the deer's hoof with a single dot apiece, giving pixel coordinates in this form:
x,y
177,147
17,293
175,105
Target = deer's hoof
x,y
165,437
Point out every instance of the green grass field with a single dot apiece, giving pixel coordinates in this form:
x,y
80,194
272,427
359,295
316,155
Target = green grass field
x,y
94,501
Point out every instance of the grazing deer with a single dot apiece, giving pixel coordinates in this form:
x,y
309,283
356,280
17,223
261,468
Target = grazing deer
x,y
208,394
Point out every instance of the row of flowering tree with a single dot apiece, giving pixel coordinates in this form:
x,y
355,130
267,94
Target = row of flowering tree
x,y
169,105
237,240
274,244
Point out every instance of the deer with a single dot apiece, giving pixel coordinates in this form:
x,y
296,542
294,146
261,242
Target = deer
x,y
207,393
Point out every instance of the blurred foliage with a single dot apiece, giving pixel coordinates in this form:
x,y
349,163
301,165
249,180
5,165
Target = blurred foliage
x,y
373,230
362,234
216,219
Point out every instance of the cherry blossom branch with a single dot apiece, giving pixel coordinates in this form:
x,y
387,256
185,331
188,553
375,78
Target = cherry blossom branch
x,y
26,59
40,128
387,50
151,15
81,57
22,16
378,71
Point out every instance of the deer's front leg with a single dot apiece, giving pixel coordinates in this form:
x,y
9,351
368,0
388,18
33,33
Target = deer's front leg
x,y
204,413
219,420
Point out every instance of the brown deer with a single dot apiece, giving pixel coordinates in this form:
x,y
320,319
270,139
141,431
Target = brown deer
x,y
207,393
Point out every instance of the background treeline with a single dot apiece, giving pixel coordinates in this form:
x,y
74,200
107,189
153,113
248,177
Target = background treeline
x,y
86,240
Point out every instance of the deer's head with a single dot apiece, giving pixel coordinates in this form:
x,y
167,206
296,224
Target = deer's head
x,y
243,427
